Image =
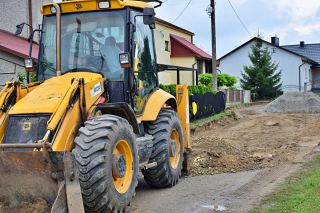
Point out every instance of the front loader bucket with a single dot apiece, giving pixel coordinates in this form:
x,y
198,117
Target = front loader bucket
x,y
32,182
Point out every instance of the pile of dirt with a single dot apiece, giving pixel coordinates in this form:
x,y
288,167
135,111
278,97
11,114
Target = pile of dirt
x,y
258,140
295,102
37,206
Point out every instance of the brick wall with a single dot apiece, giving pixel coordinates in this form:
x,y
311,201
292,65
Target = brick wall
x,y
10,66
12,13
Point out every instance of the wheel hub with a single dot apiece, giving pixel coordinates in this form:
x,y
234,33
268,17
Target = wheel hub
x,y
119,166
173,148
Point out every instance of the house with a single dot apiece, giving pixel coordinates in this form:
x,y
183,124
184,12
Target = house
x,y
13,51
299,64
312,52
174,45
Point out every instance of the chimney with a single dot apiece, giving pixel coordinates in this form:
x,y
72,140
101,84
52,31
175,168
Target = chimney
x,y
275,41
301,44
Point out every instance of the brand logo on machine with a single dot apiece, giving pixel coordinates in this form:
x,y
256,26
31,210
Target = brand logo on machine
x,y
26,126
96,89
78,6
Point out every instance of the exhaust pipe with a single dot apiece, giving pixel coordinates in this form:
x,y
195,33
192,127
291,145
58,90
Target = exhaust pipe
x,y
58,38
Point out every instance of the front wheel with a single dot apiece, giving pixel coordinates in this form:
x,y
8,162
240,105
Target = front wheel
x,y
167,150
107,158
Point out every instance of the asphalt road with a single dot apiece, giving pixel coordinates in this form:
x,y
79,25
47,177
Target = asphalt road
x,y
228,192
195,194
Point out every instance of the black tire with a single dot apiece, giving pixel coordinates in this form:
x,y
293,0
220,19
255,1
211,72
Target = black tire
x,y
163,175
94,156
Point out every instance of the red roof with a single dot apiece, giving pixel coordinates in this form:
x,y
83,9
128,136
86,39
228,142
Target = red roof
x,y
16,45
181,47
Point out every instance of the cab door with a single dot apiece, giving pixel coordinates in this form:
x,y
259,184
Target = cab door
x,y
145,65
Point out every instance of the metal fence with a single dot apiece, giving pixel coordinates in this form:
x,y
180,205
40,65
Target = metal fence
x,y
206,105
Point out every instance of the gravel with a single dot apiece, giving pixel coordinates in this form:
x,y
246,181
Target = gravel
x,y
295,102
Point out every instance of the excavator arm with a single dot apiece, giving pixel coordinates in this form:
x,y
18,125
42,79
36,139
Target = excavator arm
x,y
6,97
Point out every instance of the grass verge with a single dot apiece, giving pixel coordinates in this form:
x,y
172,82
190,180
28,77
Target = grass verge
x,y
210,119
300,193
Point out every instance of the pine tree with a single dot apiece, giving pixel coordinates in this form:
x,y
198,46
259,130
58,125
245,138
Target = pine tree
x,y
261,77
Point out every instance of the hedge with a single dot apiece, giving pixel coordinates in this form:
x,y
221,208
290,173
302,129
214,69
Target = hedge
x,y
201,89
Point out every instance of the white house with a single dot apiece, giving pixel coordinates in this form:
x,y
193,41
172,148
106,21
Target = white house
x,y
297,63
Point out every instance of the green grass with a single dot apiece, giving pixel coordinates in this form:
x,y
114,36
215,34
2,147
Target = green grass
x,y
209,119
300,194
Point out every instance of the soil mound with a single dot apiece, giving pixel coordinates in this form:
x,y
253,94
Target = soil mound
x,y
295,102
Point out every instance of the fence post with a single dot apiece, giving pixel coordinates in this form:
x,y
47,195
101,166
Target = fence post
x,y
197,77
305,86
228,96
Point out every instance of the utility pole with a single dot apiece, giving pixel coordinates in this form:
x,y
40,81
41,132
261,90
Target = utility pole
x,y
214,48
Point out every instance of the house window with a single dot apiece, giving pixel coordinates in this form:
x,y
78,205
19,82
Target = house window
x,y
167,48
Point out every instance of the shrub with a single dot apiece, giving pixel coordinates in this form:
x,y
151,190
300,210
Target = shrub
x,y
205,79
200,89
22,76
169,88
223,80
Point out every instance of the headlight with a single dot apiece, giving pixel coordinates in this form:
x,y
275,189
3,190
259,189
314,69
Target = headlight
x,y
53,9
28,63
124,59
104,4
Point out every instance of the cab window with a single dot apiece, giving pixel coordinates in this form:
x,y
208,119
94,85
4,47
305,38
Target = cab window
x,y
144,63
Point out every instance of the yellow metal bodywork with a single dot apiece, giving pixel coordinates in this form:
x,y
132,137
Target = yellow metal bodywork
x,y
19,92
69,129
4,94
183,113
155,103
60,98
66,98
92,5
47,97
161,99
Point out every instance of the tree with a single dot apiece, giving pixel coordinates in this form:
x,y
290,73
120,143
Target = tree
x,y
261,78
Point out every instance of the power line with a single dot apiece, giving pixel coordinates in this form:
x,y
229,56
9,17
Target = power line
x,y
182,12
240,20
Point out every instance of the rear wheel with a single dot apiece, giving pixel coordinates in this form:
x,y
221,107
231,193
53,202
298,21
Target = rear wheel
x,y
167,150
107,158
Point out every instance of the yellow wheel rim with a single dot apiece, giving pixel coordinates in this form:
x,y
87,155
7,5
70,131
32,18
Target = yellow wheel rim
x,y
123,184
175,159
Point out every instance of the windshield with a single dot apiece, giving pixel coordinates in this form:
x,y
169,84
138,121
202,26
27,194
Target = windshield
x,y
89,42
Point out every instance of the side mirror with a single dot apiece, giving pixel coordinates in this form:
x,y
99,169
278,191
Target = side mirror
x,y
124,59
19,29
149,17
29,64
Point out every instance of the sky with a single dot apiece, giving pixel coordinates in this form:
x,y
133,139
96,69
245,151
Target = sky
x,y
291,20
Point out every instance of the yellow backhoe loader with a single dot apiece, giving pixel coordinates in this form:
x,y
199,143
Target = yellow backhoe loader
x,y
95,117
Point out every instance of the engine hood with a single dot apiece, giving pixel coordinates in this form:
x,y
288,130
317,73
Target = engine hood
x,y
46,98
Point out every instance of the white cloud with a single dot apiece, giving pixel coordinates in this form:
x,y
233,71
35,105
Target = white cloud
x,y
297,9
307,29
239,2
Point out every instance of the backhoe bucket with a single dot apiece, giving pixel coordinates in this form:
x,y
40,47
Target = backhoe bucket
x,y
32,182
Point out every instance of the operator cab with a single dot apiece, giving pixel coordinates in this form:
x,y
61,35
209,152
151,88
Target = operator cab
x,y
93,41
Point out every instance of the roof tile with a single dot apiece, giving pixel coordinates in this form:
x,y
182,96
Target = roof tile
x,y
193,48
16,45
311,51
